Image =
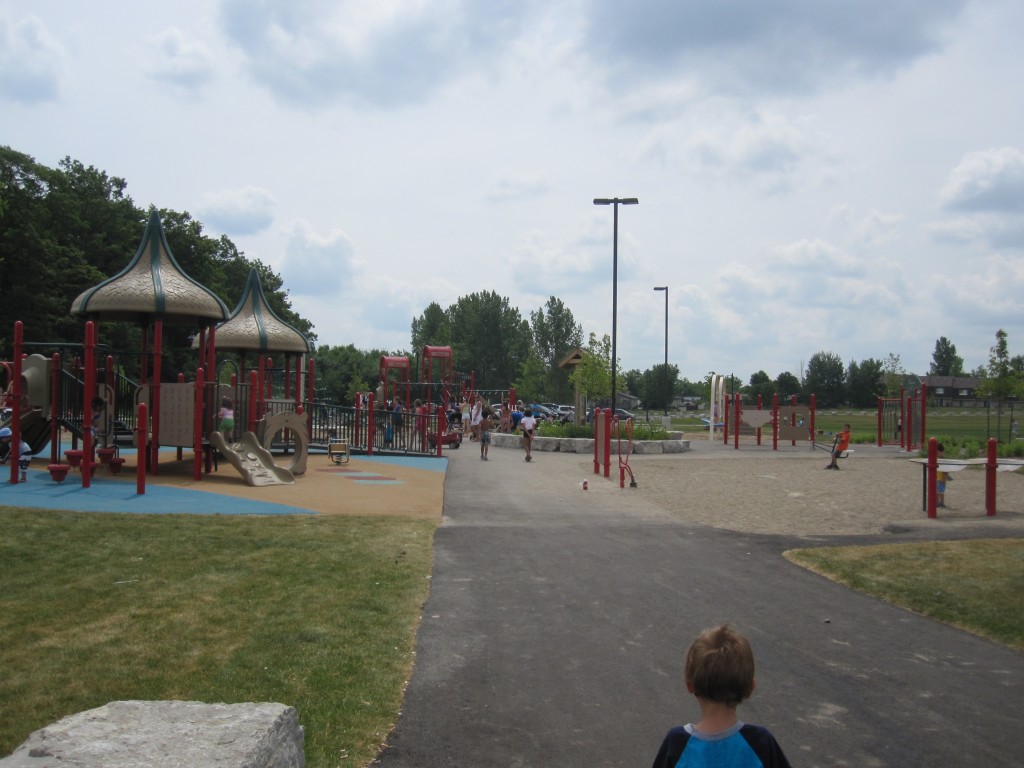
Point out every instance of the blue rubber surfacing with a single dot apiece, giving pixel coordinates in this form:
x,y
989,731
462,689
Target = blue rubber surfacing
x,y
119,495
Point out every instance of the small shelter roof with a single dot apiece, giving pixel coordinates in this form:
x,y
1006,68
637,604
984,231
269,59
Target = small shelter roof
x,y
152,285
253,326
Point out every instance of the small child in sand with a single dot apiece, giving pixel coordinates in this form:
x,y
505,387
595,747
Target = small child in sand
x,y
941,478
720,673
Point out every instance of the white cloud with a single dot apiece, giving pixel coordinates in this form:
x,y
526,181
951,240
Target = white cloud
x,y
987,181
178,59
317,265
517,186
31,60
237,212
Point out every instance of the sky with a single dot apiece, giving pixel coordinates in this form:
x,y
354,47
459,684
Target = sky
x,y
812,176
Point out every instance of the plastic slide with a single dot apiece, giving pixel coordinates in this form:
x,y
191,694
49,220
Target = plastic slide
x,y
253,462
35,430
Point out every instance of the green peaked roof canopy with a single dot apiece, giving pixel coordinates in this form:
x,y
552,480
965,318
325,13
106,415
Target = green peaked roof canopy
x,y
152,285
254,326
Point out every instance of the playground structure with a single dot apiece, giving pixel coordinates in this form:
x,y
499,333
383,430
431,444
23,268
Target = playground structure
x,y
87,397
791,422
605,423
716,414
902,421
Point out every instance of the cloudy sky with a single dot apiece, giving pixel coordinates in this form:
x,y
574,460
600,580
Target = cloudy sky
x,y
813,176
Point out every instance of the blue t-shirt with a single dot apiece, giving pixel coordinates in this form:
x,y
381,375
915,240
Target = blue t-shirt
x,y
742,746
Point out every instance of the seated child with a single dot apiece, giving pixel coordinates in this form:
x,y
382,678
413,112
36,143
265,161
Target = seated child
x,y
720,673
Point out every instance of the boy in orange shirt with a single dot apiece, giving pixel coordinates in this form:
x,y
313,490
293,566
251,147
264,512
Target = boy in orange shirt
x,y
839,447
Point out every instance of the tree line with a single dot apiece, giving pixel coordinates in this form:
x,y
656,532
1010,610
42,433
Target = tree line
x,y
65,229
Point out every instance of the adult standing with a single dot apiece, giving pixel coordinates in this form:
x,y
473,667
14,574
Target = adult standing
x,y
476,416
529,427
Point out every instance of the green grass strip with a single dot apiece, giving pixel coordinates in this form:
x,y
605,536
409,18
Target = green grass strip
x,y
316,612
977,585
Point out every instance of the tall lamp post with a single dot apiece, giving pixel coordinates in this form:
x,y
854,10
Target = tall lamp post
x,y
615,202
665,289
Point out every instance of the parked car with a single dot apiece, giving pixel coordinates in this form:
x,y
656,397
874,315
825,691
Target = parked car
x,y
623,414
542,412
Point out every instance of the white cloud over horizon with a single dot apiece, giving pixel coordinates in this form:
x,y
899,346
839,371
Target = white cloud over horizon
x,y
812,177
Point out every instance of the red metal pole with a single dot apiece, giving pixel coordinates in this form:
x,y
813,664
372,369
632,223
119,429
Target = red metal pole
x,y
88,438
760,407
736,417
597,441
141,433
879,422
15,453
607,441
371,426
924,410
181,380
158,351
814,409
991,467
775,421
933,468
253,382
54,413
792,417
197,428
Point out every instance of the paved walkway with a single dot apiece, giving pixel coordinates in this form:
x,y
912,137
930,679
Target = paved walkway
x,y
557,621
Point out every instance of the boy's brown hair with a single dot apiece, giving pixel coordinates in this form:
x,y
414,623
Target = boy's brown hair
x,y
720,666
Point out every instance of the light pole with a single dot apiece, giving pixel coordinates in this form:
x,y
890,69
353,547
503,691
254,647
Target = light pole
x,y
665,289
615,202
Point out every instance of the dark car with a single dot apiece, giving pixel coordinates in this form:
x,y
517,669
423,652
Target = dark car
x,y
623,414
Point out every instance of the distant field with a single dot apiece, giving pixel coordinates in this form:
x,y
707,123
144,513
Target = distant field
x,y
959,424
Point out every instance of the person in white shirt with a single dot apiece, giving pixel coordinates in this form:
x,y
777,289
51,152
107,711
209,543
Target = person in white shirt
x,y
529,426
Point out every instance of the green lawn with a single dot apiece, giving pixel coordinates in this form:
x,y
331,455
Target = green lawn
x,y
316,612
977,585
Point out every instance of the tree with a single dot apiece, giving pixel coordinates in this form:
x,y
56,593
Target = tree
x,y
653,386
593,376
490,337
1001,381
893,374
760,384
531,381
826,379
864,383
431,328
787,385
945,360
555,335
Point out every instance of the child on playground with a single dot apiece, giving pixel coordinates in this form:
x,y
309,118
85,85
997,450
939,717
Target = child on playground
x,y
24,452
941,478
486,425
842,442
528,425
720,673
226,417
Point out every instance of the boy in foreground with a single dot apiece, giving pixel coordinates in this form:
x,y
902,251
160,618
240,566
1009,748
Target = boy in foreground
x,y
720,673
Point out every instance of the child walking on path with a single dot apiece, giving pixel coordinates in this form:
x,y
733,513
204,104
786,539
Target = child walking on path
x,y
720,673
486,425
529,425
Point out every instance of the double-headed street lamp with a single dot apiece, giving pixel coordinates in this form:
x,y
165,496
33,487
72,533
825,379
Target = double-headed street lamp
x,y
665,289
616,202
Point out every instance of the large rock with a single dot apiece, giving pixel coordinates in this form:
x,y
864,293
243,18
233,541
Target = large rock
x,y
167,734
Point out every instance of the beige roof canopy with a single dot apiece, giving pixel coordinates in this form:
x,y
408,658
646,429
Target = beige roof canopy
x,y
152,285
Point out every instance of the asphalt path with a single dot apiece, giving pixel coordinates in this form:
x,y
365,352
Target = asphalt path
x,y
558,618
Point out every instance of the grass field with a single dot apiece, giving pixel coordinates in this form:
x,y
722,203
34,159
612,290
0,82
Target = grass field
x,y
976,585
957,426
319,613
